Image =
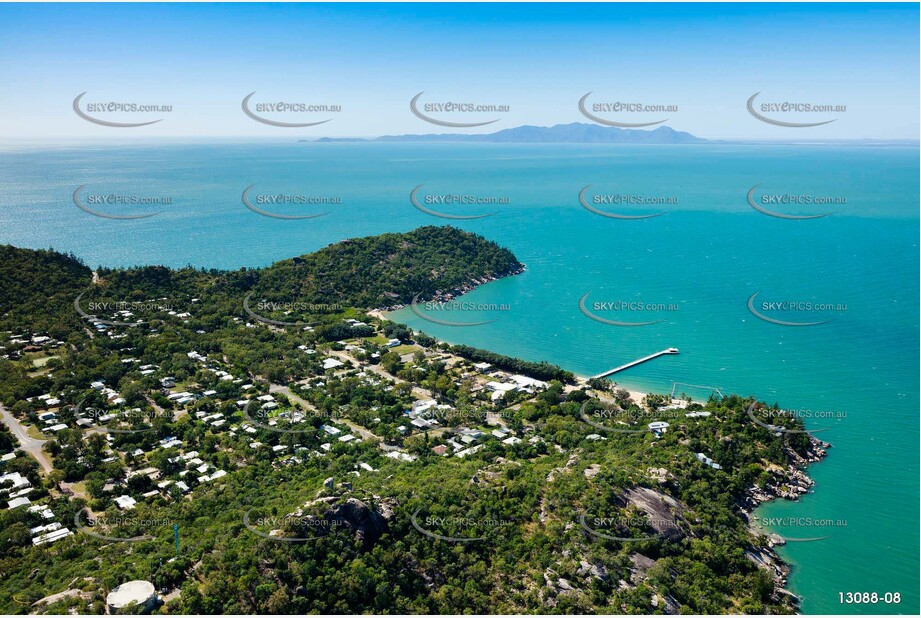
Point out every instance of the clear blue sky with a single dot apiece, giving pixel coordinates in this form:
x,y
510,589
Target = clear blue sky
x,y
537,58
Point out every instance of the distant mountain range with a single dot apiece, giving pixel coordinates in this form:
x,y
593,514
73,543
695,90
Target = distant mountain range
x,y
573,133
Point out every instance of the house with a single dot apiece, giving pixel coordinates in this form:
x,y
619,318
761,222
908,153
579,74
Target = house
x,y
392,343
331,363
441,449
400,456
500,386
333,431
703,458
42,510
511,441
17,502
422,405
527,384
658,427
168,382
484,367
125,502
468,451
48,533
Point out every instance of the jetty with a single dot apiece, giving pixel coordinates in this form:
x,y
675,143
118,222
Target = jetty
x,y
638,361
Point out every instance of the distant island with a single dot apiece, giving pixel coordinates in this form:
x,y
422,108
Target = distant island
x,y
572,133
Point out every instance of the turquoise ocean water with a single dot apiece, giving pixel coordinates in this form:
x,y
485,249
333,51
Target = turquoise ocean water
x,y
702,260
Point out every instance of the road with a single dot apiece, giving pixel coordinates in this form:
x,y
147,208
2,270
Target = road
x,y
377,369
287,392
27,442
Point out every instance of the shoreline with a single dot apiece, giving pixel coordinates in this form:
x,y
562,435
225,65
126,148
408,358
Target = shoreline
x,y
443,297
794,476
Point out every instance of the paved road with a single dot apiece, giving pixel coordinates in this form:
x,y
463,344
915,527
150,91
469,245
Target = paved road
x,y
27,442
417,391
361,431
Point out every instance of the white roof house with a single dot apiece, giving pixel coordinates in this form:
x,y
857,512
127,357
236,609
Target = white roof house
x,y
16,502
658,426
331,363
125,502
703,458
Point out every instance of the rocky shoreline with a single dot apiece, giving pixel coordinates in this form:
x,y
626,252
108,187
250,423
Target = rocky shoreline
x,y
446,296
792,483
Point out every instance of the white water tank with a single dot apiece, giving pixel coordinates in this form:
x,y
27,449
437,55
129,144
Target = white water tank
x,y
138,591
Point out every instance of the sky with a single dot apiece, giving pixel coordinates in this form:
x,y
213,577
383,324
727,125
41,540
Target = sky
x,y
703,61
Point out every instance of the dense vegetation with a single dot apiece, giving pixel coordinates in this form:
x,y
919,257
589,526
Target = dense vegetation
x,y
542,370
389,269
523,501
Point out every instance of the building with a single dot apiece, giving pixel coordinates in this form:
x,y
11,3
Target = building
x,y
331,363
704,459
125,502
137,592
658,427
484,367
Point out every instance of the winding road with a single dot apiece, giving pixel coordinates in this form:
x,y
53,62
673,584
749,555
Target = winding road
x,y
27,442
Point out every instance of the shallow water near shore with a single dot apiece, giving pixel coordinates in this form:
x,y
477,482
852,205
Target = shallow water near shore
x,y
705,257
